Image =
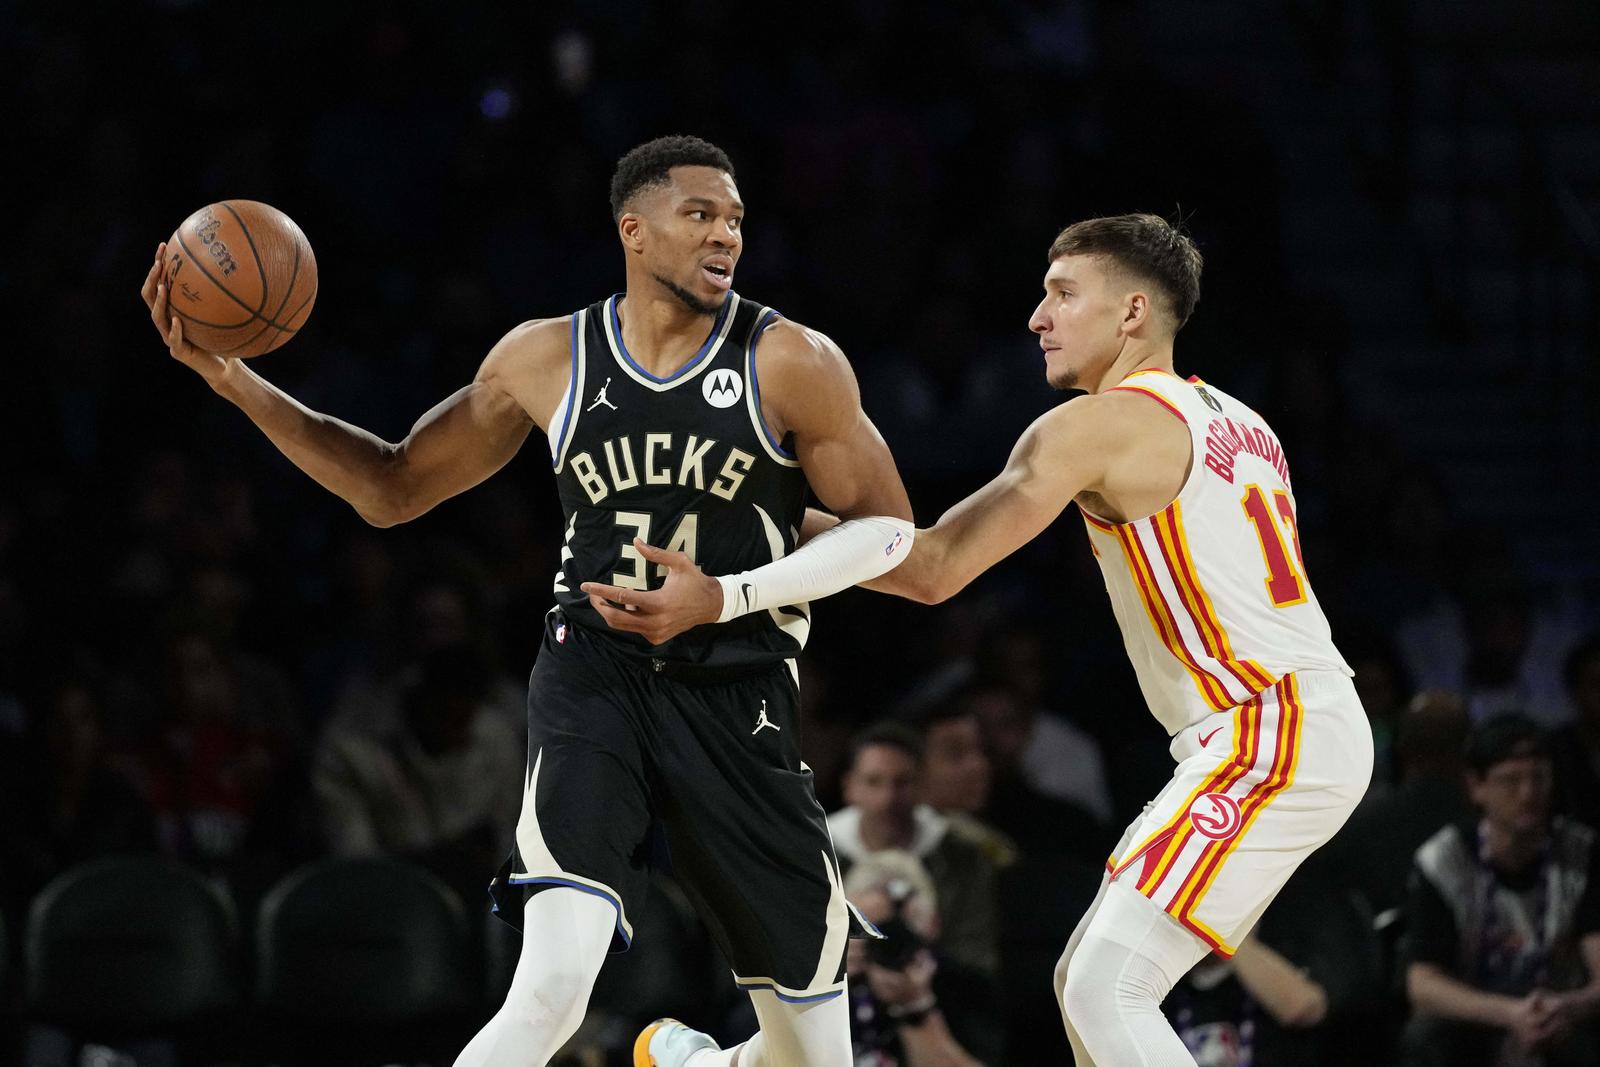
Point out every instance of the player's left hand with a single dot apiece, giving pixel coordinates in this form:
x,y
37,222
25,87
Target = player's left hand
x,y
689,598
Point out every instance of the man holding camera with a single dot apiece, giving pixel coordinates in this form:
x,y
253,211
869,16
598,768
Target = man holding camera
x,y
882,811
910,1005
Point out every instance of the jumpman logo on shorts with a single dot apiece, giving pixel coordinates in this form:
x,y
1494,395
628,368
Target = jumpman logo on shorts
x,y
764,721
600,398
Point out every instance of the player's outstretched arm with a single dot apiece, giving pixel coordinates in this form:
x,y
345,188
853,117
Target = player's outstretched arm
x,y
1064,452
850,469
454,446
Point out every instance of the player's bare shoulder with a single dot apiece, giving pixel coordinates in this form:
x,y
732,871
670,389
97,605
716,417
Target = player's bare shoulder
x,y
1143,423
789,347
1143,447
532,363
804,377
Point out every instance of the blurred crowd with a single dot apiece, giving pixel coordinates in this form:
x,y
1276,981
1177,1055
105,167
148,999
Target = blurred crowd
x,y
206,658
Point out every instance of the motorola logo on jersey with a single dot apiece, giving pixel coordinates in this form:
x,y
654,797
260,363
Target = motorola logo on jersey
x,y
723,387
1215,815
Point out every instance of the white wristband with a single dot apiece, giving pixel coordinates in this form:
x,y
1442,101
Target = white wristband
x,y
854,551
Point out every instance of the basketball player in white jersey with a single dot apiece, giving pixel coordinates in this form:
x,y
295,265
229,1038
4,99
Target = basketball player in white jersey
x,y
1187,500
1186,497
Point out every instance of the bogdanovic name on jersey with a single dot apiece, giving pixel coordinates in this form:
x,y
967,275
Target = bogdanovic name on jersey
x,y
1225,439
629,461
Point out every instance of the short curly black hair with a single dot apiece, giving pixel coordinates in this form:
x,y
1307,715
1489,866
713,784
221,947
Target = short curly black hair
x,y
1146,246
649,164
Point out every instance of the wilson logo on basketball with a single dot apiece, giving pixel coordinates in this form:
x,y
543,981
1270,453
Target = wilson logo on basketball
x,y
207,232
723,388
1215,815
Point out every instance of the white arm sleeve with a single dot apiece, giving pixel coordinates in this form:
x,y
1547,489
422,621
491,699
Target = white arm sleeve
x,y
854,551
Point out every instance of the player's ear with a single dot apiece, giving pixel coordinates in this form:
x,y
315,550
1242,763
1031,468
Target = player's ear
x,y
630,227
1136,312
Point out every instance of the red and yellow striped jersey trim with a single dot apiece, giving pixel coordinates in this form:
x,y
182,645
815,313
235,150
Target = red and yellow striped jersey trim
x,y
1168,527
1211,688
1097,522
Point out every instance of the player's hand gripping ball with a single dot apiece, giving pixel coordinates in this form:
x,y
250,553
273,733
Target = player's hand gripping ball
x,y
240,277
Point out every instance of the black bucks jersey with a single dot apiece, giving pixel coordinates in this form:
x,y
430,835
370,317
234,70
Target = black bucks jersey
x,y
684,463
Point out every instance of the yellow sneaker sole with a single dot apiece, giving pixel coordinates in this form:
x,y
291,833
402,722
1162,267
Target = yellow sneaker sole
x,y
641,1044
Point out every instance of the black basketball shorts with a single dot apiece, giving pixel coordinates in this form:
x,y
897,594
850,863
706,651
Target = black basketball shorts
x,y
615,747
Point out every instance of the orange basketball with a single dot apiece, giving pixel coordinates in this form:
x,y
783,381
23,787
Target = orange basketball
x,y
241,277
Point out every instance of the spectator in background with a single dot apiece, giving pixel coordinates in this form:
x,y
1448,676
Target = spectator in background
x,y
1312,957
955,776
1384,687
1503,935
1040,824
438,613
1491,640
439,782
882,814
912,1005
216,752
1046,751
1577,746
1384,833
63,801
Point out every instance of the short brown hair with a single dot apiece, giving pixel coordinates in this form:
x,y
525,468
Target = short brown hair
x,y
1146,246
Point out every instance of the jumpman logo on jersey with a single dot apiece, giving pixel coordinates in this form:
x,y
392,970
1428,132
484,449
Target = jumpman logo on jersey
x,y
600,398
764,721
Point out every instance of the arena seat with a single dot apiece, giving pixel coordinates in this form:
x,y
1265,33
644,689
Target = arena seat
x,y
129,944
356,958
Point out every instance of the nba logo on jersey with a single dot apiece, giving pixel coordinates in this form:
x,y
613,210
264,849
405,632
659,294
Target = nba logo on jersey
x,y
1215,815
561,633
723,388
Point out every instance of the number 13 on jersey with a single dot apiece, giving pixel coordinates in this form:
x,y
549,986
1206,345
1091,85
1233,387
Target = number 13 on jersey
x,y
1285,585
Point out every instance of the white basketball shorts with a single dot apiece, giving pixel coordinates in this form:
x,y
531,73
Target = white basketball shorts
x,y
1257,789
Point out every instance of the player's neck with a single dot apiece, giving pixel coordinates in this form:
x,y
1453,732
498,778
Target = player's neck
x,y
1136,356
659,332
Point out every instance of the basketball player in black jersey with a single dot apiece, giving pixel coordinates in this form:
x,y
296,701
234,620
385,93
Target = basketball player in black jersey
x,y
685,424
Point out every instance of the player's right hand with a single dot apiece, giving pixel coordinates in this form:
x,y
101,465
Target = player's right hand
x,y
210,367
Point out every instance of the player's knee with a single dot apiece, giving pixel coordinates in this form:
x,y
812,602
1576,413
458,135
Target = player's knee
x,y
1104,982
559,995
1082,994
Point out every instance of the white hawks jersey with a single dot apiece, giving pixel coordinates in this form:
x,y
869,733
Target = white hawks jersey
x,y
1211,592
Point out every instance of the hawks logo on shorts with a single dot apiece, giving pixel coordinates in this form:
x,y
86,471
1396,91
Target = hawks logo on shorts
x,y
1216,815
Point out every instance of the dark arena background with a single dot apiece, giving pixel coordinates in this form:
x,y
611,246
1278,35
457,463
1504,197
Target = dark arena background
x,y
236,826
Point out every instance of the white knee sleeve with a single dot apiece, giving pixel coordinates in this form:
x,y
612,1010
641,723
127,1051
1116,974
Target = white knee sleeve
x,y
1130,956
565,935
1080,1054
